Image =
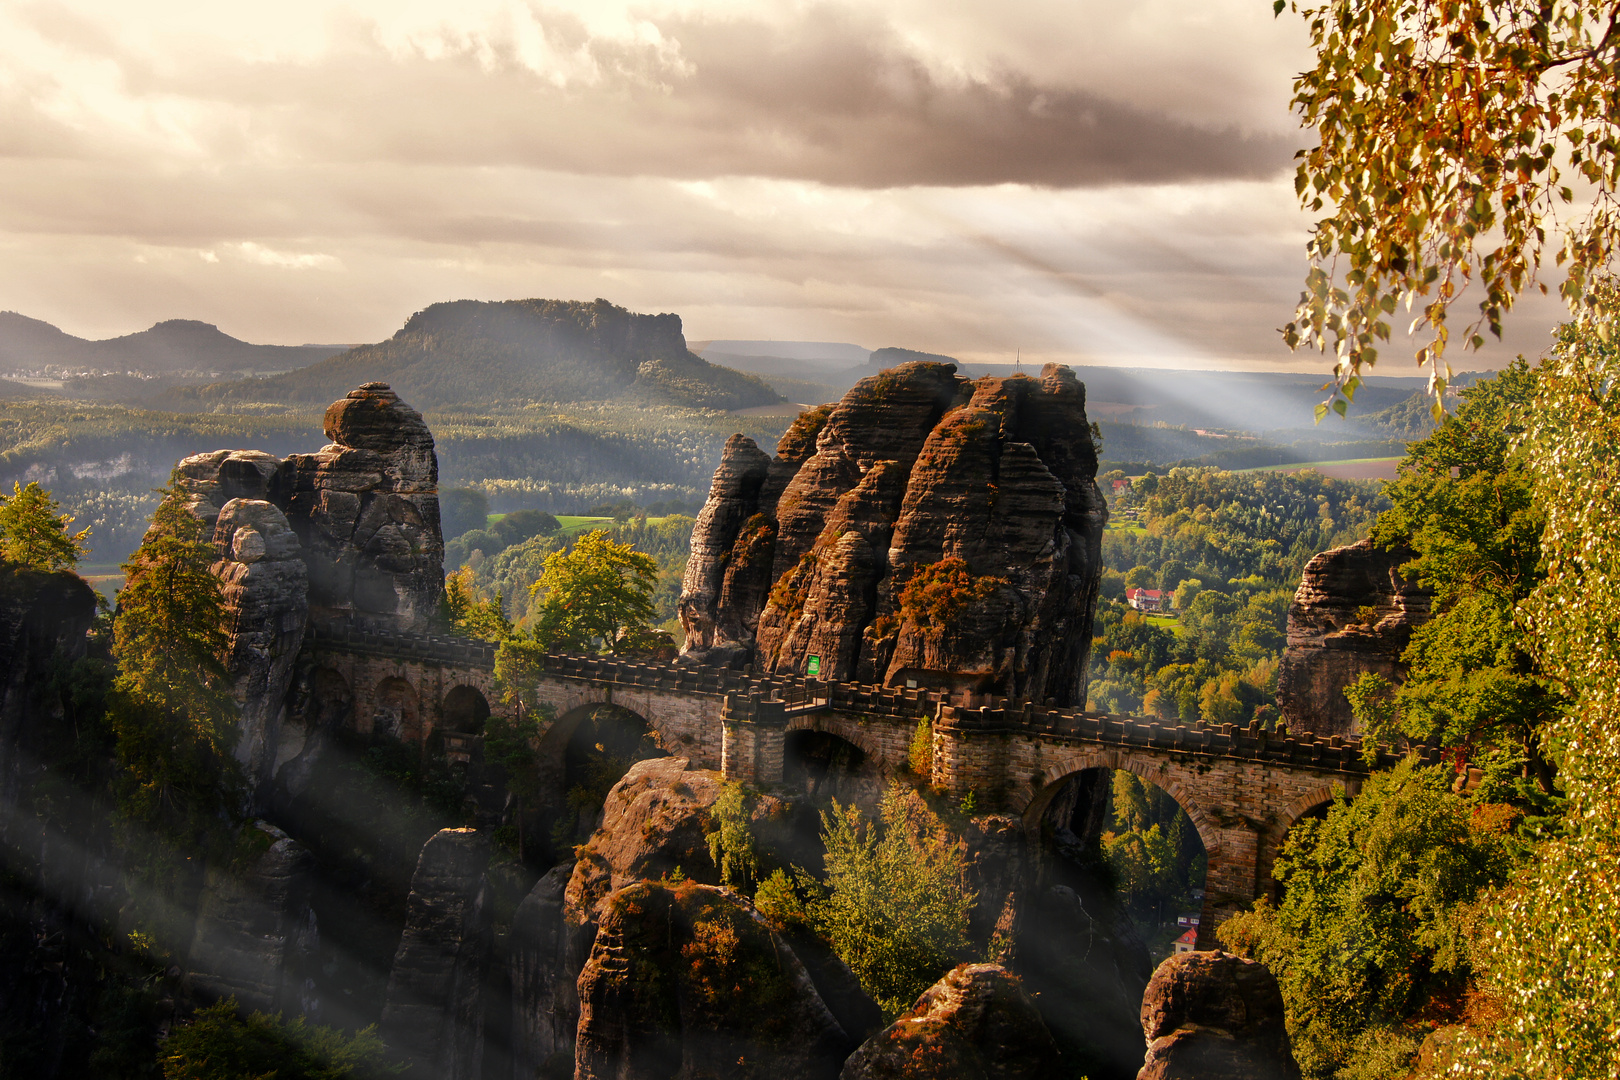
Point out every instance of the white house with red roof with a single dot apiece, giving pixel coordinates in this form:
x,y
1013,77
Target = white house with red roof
x,y
1145,599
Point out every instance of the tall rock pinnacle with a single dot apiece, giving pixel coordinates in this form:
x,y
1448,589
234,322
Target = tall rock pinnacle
x,y
927,529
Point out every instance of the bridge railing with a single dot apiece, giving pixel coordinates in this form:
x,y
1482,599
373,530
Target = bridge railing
x,y
1253,741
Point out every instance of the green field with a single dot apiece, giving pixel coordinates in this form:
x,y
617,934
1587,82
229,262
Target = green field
x,y
574,524
1166,622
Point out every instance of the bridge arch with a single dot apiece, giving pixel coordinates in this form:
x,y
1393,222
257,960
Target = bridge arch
x,y
396,710
1034,805
847,728
464,710
1313,803
331,700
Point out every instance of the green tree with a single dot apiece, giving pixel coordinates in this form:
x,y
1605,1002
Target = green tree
x,y
461,608
514,744
599,594
1372,925
1464,503
1547,943
920,756
1448,139
1149,875
219,1045
731,844
34,533
171,708
462,510
895,903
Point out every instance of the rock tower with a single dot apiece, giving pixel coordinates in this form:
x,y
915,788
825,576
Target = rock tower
x,y
345,537
927,530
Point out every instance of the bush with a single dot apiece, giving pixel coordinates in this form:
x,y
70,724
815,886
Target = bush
x,y
219,1045
895,903
1371,929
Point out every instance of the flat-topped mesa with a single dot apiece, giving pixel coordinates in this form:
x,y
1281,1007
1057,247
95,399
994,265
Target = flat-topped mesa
x,y
366,508
926,529
1354,612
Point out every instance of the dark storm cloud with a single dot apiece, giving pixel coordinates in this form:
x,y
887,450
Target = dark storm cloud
x,y
828,96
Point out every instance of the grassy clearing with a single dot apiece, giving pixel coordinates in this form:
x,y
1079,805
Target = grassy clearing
x,y
1166,622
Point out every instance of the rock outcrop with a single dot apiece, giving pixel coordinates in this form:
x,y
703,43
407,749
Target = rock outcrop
x,y
44,618
366,507
927,529
1214,1016
265,587
654,822
347,536
974,1024
689,980
545,1004
1353,612
257,938
434,1016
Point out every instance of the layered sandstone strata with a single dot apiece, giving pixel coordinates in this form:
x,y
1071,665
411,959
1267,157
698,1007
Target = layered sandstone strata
x,y
1354,612
366,507
1215,1015
348,536
926,530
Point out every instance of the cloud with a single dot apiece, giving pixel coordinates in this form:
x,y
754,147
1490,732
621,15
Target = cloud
x,y
830,94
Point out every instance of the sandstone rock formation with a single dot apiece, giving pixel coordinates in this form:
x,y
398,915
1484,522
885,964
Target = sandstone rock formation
x,y
925,529
974,1024
266,592
256,936
545,1005
689,981
367,510
434,1016
654,822
1214,1016
43,619
1353,612
347,536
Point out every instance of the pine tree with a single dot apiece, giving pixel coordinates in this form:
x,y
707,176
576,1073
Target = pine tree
x,y
171,708
34,533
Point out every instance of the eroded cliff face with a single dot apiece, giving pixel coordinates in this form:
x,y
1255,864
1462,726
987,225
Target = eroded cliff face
x,y
366,508
348,535
926,528
1354,612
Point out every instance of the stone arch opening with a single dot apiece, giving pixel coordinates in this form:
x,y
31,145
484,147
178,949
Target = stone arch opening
x,y
396,710
331,701
825,766
588,749
465,710
1313,806
1120,868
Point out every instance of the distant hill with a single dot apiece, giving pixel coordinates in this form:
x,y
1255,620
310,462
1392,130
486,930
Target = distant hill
x,y
470,353
891,355
172,347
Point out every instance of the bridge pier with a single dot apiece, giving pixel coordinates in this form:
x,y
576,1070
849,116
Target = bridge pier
x,y
753,740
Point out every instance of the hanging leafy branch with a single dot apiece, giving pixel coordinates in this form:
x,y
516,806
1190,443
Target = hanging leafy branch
x,y
1458,141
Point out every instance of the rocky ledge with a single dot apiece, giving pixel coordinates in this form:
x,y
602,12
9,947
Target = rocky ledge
x,y
926,530
1354,612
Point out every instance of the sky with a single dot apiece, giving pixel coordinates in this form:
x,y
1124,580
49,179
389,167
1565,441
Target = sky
x,y
1067,180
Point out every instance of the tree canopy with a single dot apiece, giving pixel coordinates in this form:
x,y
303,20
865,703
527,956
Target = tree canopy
x,y
600,593
1464,504
34,533
171,708
1457,142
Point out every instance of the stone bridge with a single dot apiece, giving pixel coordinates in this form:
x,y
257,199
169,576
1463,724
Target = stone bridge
x,y
1243,788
